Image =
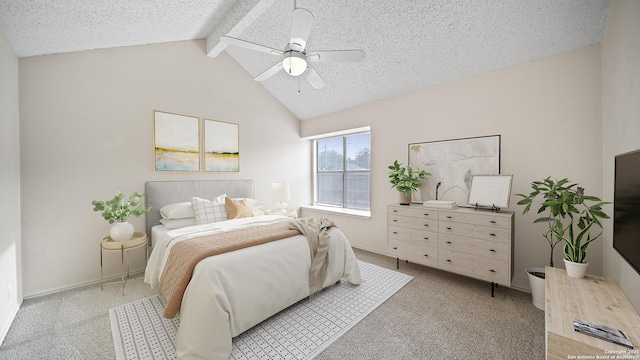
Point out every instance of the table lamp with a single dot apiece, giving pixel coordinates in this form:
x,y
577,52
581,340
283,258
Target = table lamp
x,y
280,193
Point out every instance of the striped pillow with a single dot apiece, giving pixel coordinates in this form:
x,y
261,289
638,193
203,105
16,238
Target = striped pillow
x,y
206,211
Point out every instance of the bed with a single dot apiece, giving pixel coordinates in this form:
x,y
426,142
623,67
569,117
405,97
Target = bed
x,y
231,292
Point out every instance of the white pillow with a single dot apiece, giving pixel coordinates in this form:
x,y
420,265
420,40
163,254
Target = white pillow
x,y
219,199
178,223
255,204
206,211
181,210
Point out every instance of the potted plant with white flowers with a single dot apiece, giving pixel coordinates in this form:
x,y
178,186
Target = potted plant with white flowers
x,y
118,210
405,180
570,216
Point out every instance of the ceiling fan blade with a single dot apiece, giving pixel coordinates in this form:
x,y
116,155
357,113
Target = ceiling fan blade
x,y
249,45
314,79
269,72
300,28
337,55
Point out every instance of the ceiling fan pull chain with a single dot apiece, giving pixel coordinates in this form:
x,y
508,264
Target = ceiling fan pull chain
x,y
299,84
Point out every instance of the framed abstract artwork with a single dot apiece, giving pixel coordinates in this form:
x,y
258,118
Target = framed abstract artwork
x,y
221,146
176,142
452,163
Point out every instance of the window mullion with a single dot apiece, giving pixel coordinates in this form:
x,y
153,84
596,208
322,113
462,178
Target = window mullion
x,y
344,171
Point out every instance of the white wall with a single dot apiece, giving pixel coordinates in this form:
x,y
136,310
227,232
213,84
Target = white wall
x,y
10,275
548,113
621,119
86,122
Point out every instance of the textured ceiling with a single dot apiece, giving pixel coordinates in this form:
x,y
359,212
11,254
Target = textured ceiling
x,y
409,44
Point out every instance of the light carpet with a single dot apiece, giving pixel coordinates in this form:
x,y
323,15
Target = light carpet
x,y
301,331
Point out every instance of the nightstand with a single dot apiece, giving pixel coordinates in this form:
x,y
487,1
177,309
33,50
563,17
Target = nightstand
x,y
138,239
292,213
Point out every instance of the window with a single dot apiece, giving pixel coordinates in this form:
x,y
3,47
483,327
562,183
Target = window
x,y
343,171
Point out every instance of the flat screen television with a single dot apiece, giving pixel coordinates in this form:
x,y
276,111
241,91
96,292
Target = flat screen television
x,y
626,203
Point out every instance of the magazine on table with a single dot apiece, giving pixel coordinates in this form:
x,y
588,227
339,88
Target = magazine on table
x,y
616,336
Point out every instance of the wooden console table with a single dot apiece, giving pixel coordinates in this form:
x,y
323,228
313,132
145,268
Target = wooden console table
x,y
593,298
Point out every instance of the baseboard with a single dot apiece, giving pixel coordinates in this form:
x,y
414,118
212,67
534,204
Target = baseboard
x,y
371,250
5,327
133,274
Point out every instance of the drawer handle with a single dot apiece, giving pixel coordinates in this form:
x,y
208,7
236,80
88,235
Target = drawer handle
x,y
448,242
395,232
492,222
395,220
426,238
426,225
492,250
448,217
395,248
448,260
448,228
427,255
395,210
426,214
492,234
492,270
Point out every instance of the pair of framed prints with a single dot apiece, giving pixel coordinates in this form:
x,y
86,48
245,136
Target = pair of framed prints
x,y
188,143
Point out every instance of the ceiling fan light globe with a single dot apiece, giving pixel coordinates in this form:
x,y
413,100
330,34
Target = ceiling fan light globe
x,y
294,65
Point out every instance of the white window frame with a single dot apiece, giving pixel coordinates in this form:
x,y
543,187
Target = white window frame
x,y
337,209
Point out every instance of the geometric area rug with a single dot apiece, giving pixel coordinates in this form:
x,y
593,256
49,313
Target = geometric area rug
x,y
298,332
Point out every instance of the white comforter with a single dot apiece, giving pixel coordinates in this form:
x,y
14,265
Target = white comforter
x,y
232,292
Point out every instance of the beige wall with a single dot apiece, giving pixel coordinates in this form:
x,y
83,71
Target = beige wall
x,y
86,122
10,275
548,113
86,132
621,119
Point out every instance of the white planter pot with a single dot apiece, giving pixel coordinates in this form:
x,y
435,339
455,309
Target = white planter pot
x,y
404,199
121,231
574,269
537,287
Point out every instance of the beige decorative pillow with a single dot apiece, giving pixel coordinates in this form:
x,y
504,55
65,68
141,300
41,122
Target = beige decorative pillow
x,y
237,209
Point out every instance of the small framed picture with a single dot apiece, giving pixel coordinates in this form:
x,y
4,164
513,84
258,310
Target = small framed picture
x,y
221,146
176,142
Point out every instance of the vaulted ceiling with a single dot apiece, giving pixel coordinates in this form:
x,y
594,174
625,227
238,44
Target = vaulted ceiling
x,y
409,44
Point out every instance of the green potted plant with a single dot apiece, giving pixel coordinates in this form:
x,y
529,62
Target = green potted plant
x,y
570,216
118,210
405,180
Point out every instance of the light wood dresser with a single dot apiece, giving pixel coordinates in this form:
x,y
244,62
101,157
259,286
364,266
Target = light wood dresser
x,y
474,243
593,298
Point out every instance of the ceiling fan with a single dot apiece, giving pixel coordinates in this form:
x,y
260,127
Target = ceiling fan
x,y
295,58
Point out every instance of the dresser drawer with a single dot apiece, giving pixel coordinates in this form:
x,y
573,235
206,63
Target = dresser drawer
x,y
489,249
475,231
413,211
414,223
404,233
475,266
491,220
414,251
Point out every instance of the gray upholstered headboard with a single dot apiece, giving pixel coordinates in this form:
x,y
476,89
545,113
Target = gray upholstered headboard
x,y
160,193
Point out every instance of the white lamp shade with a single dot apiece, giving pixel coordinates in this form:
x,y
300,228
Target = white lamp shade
x,y
280,192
